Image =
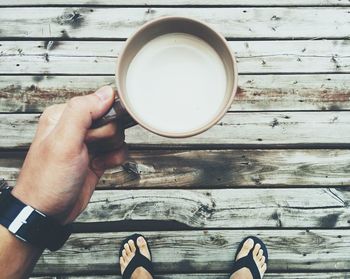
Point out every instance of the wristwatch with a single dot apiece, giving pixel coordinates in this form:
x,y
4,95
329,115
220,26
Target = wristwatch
x,y
31,225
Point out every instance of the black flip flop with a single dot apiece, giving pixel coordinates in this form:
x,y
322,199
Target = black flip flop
x,y
248,261
138,260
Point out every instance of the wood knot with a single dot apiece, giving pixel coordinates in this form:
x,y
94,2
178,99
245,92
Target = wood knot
x,y
275,18
218,240
274,123
73,18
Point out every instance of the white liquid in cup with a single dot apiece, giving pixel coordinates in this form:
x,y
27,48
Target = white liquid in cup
x,y
176,83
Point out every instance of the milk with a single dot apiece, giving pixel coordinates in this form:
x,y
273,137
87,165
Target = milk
x,y
176,83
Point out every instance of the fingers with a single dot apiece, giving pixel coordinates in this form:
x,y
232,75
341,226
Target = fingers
x,y
79,113
103,144
109,130
109,160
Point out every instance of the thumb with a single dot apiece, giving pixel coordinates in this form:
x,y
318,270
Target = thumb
x,y
79,113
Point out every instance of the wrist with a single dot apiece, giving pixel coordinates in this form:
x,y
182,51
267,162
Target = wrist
x,y
28,198
29,224
39,203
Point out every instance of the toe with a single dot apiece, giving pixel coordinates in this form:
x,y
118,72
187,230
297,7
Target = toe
x,y
141,243
260,254
262,260
124,254
129,252
121,261
262,270
127,249
256,249
247,246
132,246
122,264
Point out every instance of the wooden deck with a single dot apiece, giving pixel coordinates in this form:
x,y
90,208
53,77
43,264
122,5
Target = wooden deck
x,y
276,166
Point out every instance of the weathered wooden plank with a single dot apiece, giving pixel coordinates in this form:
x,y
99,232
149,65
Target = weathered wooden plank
x,y
203,251
218,168
226,208
91,22
266,3
267,92
79,57
35,93
235,129
323,275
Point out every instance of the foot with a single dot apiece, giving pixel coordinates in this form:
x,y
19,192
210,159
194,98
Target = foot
x,y
129,252
259,258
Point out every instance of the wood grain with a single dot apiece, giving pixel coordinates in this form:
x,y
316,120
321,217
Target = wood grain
x,y
255,93
235,129
218,169
80,57
202,251
112,23
230,208
266,3
292,90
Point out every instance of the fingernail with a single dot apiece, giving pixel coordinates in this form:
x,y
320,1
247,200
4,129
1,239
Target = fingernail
x,y
104,93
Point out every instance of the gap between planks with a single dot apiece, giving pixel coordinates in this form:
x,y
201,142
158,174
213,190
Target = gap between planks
x,y
268,275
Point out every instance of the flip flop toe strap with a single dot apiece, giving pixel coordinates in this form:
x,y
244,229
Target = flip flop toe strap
x,y
249,263
138,260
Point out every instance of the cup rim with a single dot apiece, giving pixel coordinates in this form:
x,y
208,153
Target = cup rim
x,y
195,131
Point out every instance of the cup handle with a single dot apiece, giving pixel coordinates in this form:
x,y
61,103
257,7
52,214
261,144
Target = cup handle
x,y
118,113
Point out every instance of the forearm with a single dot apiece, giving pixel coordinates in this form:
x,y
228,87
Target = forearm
x,y
17,258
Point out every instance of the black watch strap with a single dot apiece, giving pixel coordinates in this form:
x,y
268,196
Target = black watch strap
x,y
31,225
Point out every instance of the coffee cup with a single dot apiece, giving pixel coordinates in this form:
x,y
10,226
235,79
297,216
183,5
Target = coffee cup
x,y
176,77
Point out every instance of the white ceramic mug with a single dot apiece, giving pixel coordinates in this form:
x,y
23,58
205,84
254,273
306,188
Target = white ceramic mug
x,y
176,77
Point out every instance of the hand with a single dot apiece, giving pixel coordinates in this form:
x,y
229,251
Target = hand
x,y
59,173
